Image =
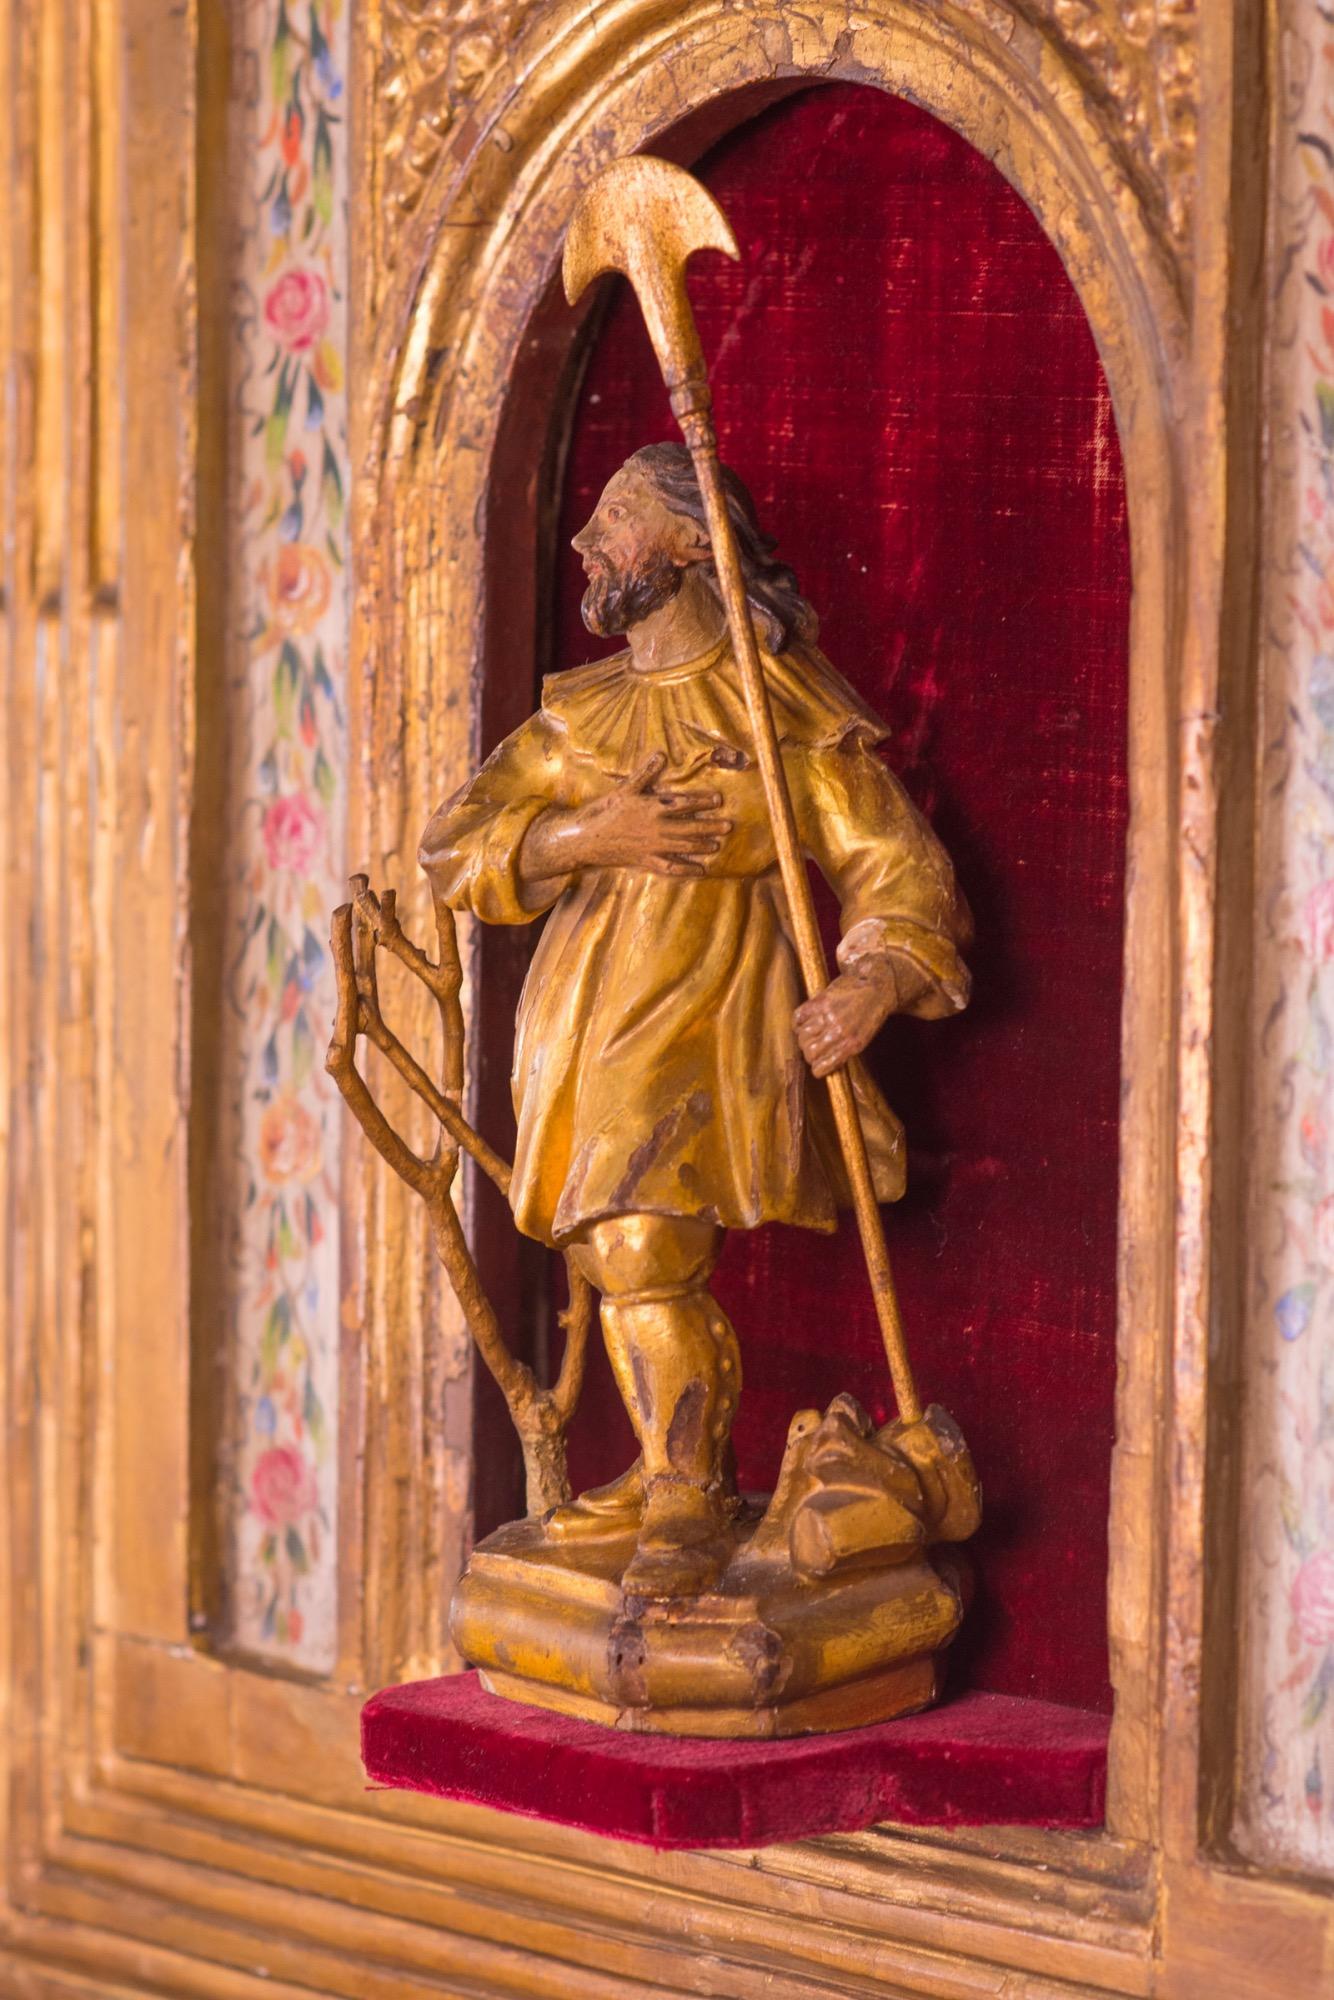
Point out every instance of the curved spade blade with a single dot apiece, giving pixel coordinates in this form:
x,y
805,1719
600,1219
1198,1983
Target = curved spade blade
x,y
645,218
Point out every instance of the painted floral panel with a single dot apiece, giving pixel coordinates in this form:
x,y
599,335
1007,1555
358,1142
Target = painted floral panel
x,y
1287,1810
290,553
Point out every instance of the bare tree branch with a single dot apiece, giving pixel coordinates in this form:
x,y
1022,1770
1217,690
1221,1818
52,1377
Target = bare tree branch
x,y
420,1175
378,922
577,1322
360,928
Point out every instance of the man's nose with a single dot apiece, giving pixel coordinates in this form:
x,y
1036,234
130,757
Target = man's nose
x,y
584,540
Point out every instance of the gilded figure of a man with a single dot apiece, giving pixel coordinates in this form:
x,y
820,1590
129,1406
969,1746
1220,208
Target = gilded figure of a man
x,y
666,1069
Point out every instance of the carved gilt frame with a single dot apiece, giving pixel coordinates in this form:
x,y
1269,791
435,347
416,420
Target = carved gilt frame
x,y
473,290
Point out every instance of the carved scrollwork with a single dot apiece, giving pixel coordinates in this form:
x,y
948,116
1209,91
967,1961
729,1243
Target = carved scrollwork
x,y
434,60
1136,59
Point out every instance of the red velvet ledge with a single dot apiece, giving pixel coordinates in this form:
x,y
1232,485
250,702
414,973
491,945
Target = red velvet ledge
x,y
982,1759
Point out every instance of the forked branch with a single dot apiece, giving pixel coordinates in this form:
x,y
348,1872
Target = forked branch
x,y
361,928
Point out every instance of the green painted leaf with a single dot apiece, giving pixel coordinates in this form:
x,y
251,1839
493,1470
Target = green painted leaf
x,y
275,430
277,1327
288,1246
313,1413
275,955
275,439
280,57
331,489
1314,1705
1324,396
286,681
321,171
303,1051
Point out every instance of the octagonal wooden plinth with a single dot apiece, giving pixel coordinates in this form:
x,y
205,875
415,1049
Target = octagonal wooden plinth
x,y
763,1655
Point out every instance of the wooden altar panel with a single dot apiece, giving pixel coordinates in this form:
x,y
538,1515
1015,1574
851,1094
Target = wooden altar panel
x,y
178,1824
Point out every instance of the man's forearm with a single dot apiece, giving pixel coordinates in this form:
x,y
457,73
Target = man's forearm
x,y
550,848
898,978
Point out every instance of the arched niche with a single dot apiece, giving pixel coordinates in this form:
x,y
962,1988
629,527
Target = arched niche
x,y
478,356
904,375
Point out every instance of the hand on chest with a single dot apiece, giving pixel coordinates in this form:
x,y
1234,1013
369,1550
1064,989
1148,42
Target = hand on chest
x,y
713,781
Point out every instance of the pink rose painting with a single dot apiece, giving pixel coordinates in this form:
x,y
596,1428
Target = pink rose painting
x,y
1318,923
296,308
282,1486
1324,1230
290,1147
293,832
1313,1599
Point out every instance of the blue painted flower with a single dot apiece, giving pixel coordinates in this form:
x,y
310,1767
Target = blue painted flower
x,y
328,75
1293,1311
266,1416
1321,687
330,81
312,958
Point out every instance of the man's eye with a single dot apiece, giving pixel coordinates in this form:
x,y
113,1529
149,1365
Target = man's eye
x,y
615,513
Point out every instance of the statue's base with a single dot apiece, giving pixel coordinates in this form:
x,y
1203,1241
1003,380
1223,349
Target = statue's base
x,y
765,1654
978,1760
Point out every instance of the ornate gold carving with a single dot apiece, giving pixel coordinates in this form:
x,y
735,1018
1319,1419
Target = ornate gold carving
x,y
433,63
1137,60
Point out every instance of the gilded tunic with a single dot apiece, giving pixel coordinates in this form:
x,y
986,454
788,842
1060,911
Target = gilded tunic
x,y
656,1067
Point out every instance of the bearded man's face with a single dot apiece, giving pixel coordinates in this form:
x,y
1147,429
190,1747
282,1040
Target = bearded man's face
x,y
617,598
626,550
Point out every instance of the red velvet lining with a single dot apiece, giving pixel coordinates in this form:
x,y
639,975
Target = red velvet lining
x,y
983,1760
905,377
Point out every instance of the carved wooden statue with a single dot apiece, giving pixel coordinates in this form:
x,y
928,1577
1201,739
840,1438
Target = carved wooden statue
x,y
671,1082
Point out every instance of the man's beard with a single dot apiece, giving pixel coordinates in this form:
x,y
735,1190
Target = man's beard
x,y
617,599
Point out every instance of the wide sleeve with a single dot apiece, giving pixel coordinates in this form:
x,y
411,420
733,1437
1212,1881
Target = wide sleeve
x,y
898,898
470,849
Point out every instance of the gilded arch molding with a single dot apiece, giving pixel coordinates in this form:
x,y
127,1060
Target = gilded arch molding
x,y
1137,64
476,259
546,113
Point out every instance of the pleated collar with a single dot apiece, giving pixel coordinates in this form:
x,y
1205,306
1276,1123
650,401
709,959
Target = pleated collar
x,y
696,712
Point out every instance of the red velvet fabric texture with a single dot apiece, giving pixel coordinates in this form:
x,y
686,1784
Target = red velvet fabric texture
x,y
984,1760
905,378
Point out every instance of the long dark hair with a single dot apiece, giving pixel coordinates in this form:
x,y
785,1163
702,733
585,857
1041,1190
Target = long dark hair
x,y
781,611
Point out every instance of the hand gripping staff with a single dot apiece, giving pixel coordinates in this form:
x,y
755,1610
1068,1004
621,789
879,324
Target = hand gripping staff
x,y
646,218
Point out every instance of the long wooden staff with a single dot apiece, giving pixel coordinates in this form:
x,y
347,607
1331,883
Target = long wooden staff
x,y
645,218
